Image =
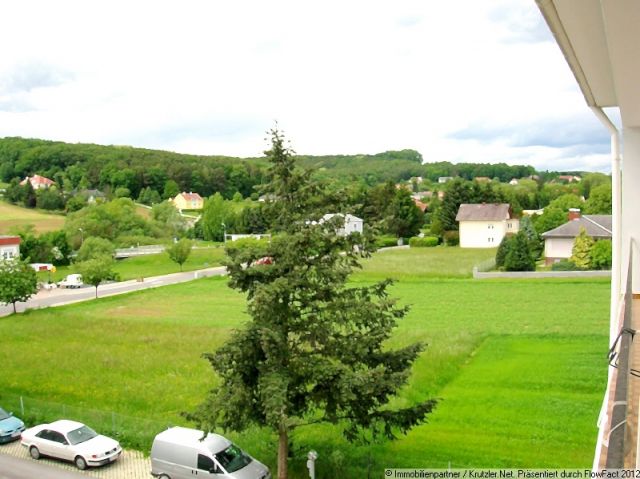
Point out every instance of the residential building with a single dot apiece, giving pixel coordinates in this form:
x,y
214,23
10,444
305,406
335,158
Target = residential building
x,y
9,247
570,178
444,179
558,242
188,201
352,224
420,204
38,182
484,225
514,182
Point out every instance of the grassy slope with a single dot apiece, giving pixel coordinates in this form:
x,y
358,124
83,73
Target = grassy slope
x,y
12,216
506,357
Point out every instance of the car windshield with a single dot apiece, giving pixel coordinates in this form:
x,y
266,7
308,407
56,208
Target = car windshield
x,y
233,458
81,434
3,414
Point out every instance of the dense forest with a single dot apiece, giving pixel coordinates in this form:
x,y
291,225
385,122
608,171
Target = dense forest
x,y
108,168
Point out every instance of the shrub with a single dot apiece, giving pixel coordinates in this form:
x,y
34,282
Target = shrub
x,y
518,257
502,251
426,242
601,254
386,241
564,265
451,238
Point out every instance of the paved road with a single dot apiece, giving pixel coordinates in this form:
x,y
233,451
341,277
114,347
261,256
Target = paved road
x,y
58,297
18,468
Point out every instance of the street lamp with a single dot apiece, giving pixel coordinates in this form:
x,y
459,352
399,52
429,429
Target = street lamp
x,y
224,232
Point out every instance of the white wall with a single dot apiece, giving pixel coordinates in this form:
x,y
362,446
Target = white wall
x,y
485,234
558,247
630,200
9,251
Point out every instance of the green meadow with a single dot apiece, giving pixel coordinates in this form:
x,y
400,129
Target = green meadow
x,y
519,366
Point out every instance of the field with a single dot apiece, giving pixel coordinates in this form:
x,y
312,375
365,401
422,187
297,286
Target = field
x,y
12,216
518,368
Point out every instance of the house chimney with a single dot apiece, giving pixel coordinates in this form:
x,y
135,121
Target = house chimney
x,y
574,214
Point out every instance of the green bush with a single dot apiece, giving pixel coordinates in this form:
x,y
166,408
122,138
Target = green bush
x,y
426,242
386,241
564,265
601,255
451,238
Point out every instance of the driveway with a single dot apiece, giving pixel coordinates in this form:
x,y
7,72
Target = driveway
x,y
15,463
58,297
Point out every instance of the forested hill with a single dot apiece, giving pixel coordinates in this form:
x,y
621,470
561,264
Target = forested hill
x,y
113,167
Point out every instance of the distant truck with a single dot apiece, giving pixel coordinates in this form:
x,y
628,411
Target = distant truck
x,y
71,281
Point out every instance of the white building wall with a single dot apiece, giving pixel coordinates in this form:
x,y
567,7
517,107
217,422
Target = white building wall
x,y
9,251
630,200
558,247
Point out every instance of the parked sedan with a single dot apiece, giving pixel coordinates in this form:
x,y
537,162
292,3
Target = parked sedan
x,y
71,441
10,427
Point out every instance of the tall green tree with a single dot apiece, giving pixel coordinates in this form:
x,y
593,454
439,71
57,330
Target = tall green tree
x,y
96,271
599,202
18,282
315,349
217,218
179,251
581,252
456,193
519,257
404,217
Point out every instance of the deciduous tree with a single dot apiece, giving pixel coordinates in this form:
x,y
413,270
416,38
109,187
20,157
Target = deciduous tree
x,y
18,281
179,251
96,270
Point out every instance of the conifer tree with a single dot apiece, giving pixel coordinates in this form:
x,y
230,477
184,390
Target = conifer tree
x,y
581,252
314,349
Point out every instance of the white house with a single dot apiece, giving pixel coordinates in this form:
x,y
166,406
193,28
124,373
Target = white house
x,y
352,224
38,182
558,242
484,225
9,247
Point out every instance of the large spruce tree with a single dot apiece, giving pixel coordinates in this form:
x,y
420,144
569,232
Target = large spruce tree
x,y
314,349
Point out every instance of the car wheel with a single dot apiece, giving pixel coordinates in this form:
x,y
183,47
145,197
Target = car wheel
x,y
33,451
80,463
163,476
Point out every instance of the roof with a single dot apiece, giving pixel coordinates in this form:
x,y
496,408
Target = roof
x,y
599,41
192,437
65,425
348,218
596,226
190,196
483,212
9,240
38,180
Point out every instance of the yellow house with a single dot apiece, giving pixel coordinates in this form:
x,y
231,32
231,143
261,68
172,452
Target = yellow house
x,y
188,201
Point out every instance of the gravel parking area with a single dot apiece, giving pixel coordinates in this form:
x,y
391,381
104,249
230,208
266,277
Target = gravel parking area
x,y
131,465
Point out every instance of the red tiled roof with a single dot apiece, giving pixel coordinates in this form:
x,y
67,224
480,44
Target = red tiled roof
x,y
9,240
191,196
37,180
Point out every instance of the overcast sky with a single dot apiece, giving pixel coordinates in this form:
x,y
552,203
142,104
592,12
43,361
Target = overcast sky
x,y
457,80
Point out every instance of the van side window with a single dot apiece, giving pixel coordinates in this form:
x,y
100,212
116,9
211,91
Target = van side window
x,y
205,463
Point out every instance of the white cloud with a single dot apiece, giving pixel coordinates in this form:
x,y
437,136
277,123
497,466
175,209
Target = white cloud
x,y
340,77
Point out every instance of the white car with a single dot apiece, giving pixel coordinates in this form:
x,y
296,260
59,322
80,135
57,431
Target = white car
x,y
71,441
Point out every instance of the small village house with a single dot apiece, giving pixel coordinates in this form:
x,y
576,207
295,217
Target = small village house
x,y
484,225
188,201
352,224
9,247
558,242
37,182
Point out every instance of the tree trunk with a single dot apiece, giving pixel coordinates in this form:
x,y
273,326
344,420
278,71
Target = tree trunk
x,y
96,292
283,452
14,308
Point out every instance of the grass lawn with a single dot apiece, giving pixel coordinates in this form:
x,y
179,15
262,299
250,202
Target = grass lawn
x,y
12,216
519,369
151,265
